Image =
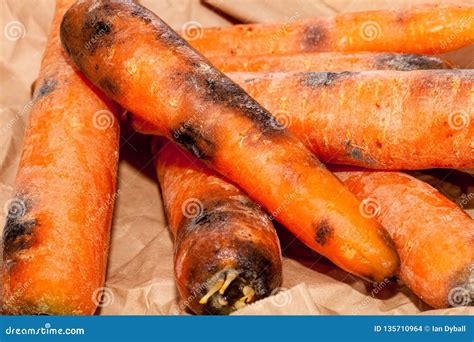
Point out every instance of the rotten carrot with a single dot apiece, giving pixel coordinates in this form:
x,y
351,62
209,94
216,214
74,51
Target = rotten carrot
x,y
227,253
375,119
171,90
328,61
423,29
56,236
433,236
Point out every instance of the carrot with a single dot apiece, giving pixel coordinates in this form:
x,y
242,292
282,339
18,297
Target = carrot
x,y
425,29
328,61
433,236
172,90
375,119
227,252
56,235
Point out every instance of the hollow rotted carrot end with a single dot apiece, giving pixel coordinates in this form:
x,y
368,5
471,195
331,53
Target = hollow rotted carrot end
x,y
226,292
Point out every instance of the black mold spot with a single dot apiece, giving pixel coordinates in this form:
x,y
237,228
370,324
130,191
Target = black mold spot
x,y
313,37
194,141
324,79
407,62
221,90
46,88
109,85
17,231
356,153
255,267
323,232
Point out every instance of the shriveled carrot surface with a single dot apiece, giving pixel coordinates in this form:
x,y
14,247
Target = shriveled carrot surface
x,y
424,28
56,236
172,90
434,237
375,119
227,253
328,61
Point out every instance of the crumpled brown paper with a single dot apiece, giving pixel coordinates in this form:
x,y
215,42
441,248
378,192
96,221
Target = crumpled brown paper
x,y
140,270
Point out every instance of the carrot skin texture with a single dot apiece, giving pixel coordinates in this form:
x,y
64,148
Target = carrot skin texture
x,y
424,29
433,236
173,91
361,118
217,230
55,239
328,61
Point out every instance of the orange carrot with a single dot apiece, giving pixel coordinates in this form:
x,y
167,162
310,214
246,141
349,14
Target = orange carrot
x,y
172,90
428,28
328,61
433,236
375,119
56,236
227,252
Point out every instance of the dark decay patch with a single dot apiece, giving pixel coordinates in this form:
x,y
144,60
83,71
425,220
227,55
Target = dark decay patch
x,y
324,232
407,62
46,88
18,231
314,35
221,90
194,141
324,79
356,153
141,13
97,29
109,85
